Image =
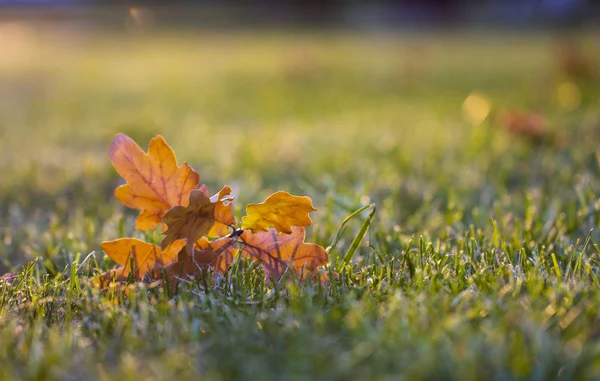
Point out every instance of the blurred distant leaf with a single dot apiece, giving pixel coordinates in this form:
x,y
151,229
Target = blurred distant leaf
x,y
7,278
528,125
573,63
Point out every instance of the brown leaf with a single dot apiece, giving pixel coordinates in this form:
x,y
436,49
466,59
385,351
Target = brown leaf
x,y
573,62
281,211
218,255
199,217
7,278
323,276
223,212
279,252
155,183
527,124
147,259
111,278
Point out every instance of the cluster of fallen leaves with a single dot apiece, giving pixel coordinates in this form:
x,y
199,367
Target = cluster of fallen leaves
x,y
201,231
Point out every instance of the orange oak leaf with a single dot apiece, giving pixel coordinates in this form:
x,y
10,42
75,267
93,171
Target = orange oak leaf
x,y
155,183
146,258
198,218
279,252
281,211
223,212
218,255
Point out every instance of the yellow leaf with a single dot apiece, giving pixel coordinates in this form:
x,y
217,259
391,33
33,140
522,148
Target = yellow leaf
x,y
146,258
279,252
155,183
281,211
198,218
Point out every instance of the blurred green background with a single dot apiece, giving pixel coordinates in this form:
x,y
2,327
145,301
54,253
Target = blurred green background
x,y
342,116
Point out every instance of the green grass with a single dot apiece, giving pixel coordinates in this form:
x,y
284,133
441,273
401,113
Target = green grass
x,y
481,261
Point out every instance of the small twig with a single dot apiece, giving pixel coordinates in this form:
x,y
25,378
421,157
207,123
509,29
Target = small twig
x,y
236,232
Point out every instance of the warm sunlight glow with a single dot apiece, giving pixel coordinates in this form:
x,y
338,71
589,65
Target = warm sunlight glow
x,y
476,108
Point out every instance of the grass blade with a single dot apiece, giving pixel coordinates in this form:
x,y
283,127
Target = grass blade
x,y
358,238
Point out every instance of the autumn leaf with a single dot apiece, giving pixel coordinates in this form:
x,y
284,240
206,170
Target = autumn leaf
x,y
526,124
223,211
7,278
199,217
279,252
147,259
573,62
272,232
281,211
155,183
218,255
224,249
111,279
323,276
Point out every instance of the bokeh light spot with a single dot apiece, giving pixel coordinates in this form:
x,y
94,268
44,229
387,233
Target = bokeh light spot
x,y
568,96
476,108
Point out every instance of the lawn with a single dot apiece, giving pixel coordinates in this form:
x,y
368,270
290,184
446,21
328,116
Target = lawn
x,y
480,263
